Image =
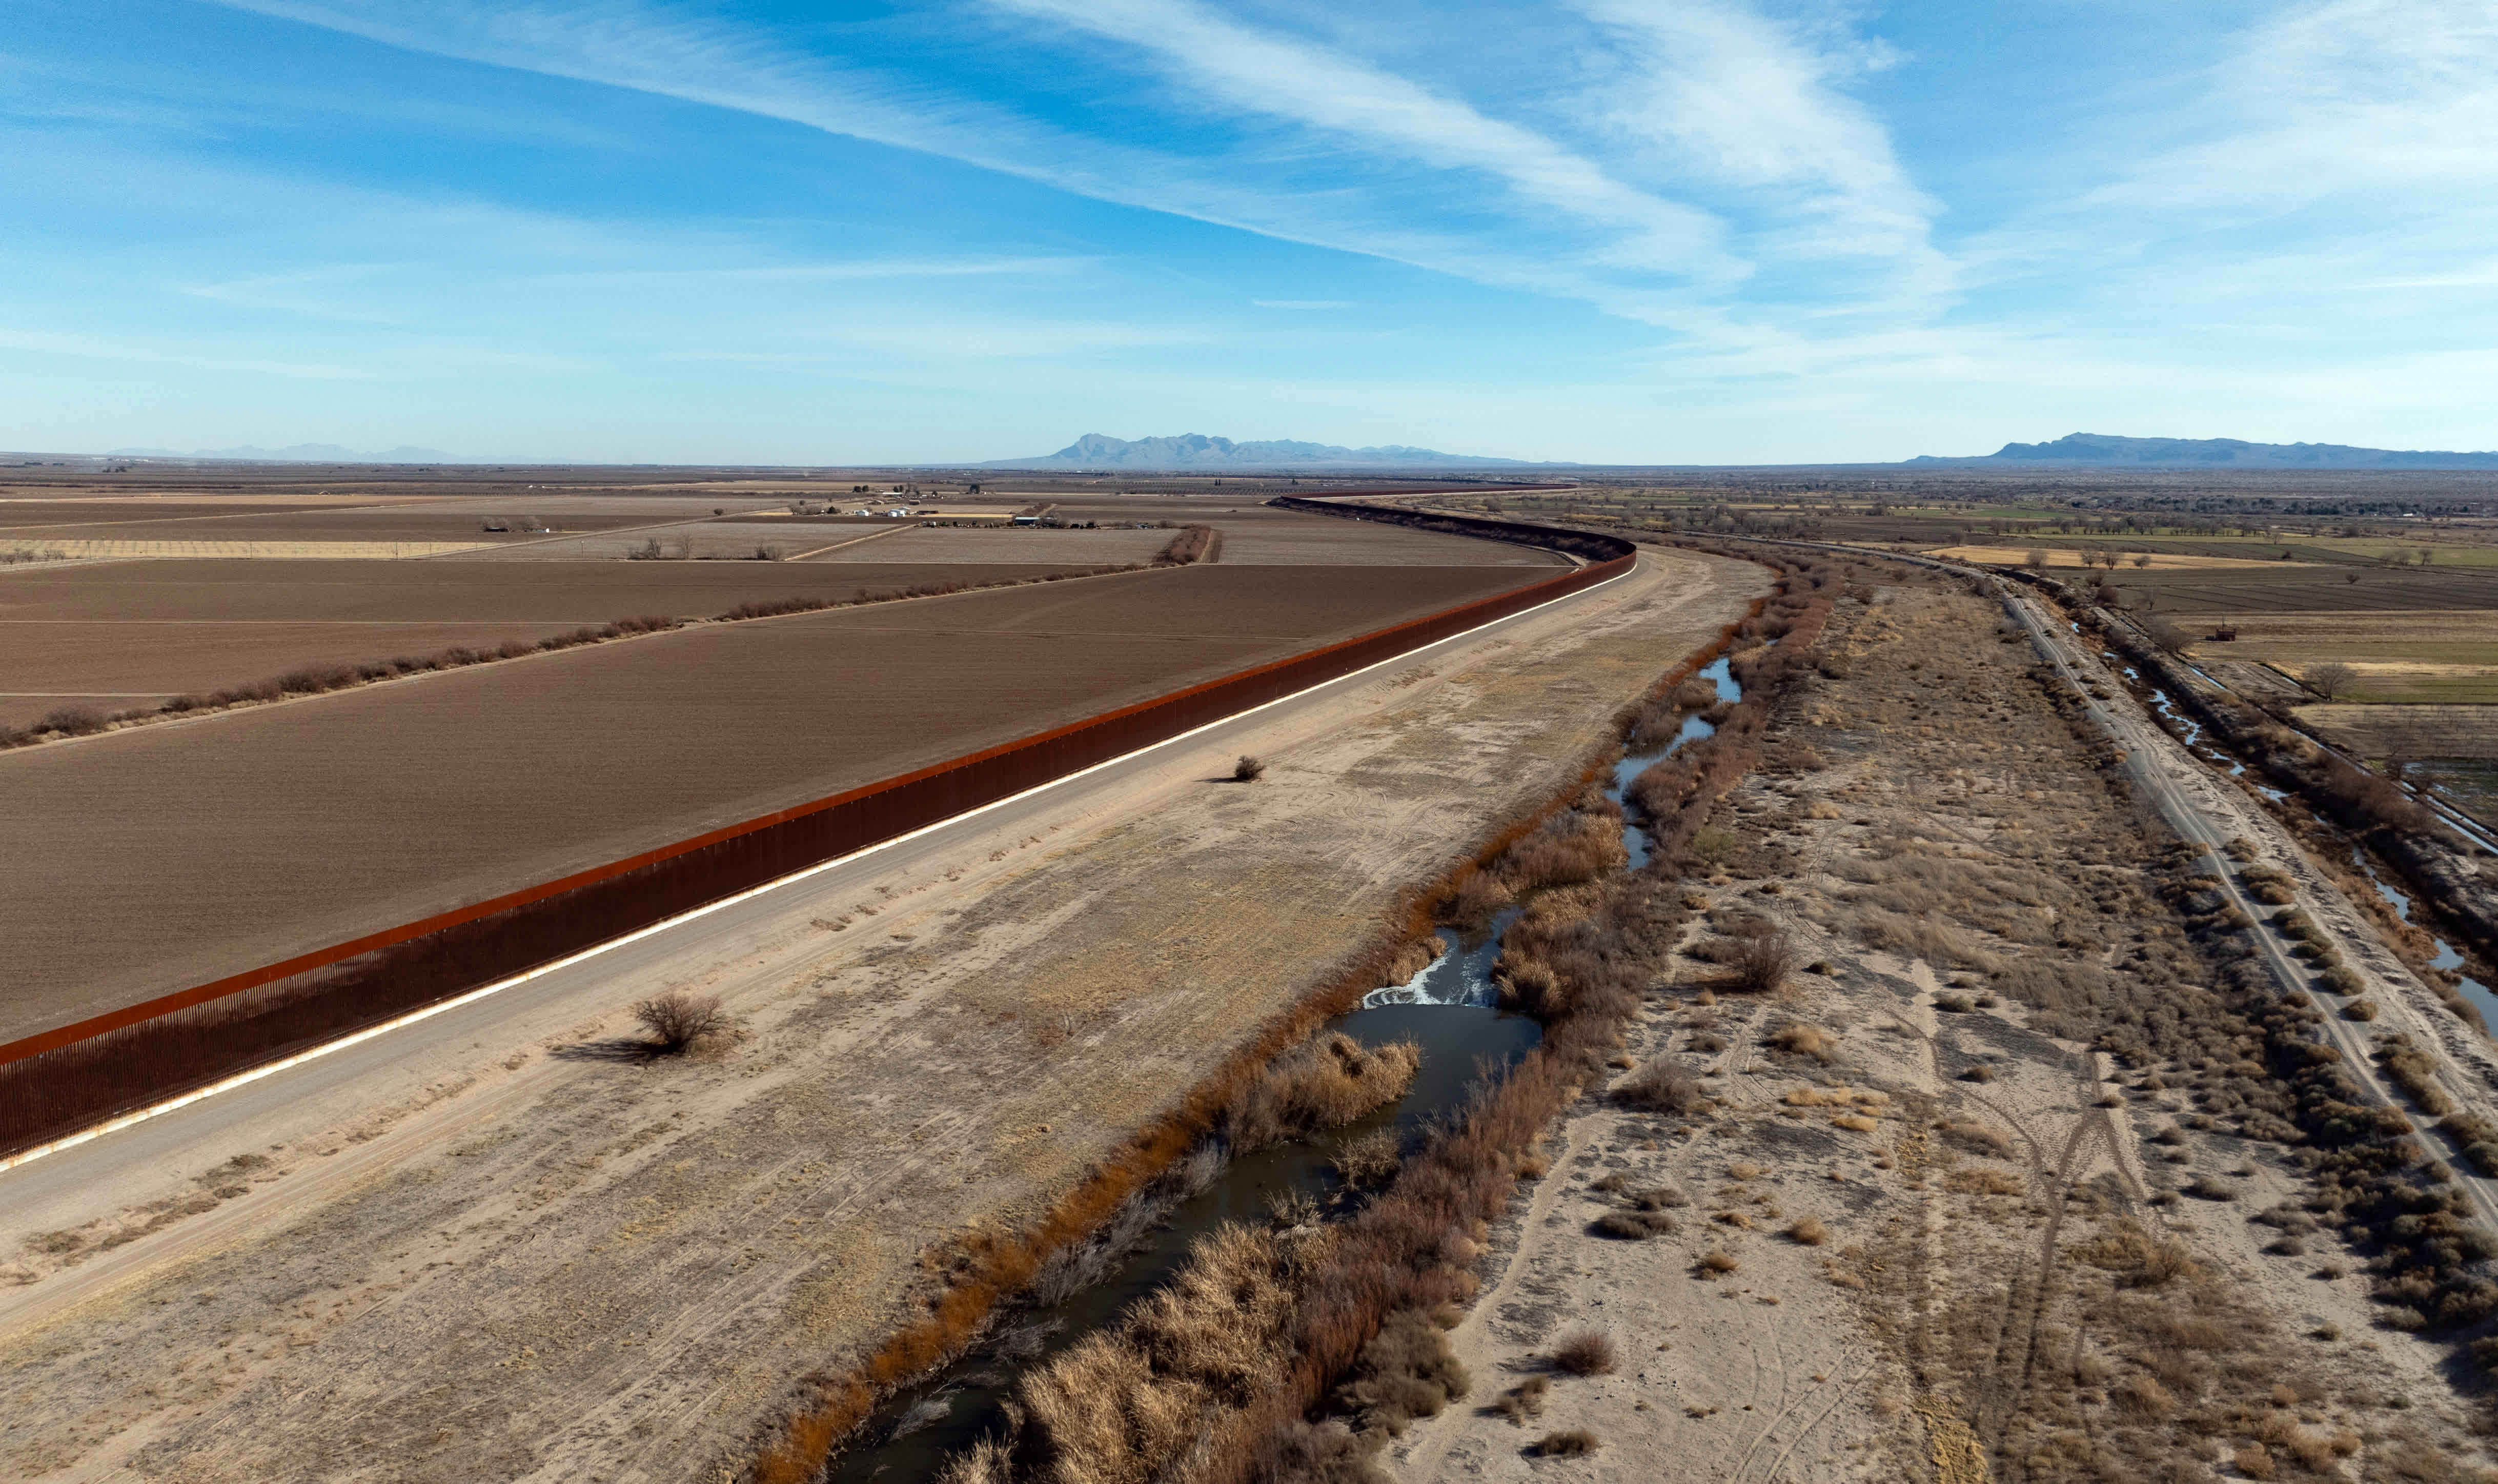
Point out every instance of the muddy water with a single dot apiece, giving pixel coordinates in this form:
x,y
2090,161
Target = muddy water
x,y
1449,1009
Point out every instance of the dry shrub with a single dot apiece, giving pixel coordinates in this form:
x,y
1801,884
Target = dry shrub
x,y
1808,1232
1805,1039
677,1019
1525,1401
1633,1225
1717,1262
2143,1395
1248,769
1978,1072
1975,1139
1857,1123
1586,1352
1971,1179
1759,965
1324,1084
1578,844
1369,1160
1476,899
2254,1461
1664,1085
1576,1442
1127,1404
1530,987
1406,1371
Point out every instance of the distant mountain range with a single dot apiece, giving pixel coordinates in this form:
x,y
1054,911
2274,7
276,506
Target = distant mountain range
x,y
300,453
1198,451
2104,448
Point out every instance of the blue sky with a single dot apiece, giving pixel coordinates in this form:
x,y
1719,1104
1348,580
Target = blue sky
x,y
1723,231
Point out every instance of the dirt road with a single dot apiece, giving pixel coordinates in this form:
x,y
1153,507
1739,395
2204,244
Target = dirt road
x,y
515,1249
2208,810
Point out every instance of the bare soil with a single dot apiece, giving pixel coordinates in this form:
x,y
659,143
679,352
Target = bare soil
x,y
145,860
122,635
2002,1279
567,1264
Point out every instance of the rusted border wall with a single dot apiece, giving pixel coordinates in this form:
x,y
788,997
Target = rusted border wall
x,y
60,1080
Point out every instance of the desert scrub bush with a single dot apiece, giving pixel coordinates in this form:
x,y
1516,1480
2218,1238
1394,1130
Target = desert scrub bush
x,y
1643,1213
1324,1084
677,1019
1248,769
2415,1072
1797,1038
1586,1352
1523,1400
1717,1262
1759,964
2360,1010
1575,1442
1808,1232
1663,1085
1977,1072
1406,1371
1369,1160
1974,1137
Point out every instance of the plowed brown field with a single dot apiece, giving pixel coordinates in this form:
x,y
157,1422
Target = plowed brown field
x,y
129,634
141,861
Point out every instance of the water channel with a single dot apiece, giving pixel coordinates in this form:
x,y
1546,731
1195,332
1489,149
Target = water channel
x,y
1449,1009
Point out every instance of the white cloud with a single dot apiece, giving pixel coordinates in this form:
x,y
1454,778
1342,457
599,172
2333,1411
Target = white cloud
x,y
1714,92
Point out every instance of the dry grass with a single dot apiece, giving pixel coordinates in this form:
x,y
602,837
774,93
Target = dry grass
x,y
1586,1352
1323,1086
1717,1262
1803,1039
1664,1085
1808,1232
1369,1160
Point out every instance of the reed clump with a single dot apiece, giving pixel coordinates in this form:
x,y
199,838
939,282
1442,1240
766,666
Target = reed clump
x,y
1322,1085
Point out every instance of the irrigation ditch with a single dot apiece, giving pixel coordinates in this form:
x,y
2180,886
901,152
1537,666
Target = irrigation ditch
x,y
1248,1307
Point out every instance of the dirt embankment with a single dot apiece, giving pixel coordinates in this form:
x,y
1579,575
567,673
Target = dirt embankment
x,y
571,1262
2005,1182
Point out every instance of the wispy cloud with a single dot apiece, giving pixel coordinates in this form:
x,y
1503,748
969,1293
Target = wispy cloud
x,y
1383,164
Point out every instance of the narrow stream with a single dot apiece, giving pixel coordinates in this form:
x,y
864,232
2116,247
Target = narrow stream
x,y
2475,992
1449,1009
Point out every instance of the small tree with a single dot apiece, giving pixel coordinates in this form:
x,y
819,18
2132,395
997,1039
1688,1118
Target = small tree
x,y
1248,769
2331,679
2142,559
2034,558
677,1019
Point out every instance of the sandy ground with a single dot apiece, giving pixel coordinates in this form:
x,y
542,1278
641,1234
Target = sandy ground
x,y
1970,1308
2014,556
558,1261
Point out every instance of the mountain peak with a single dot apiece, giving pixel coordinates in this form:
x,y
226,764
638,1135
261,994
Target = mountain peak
x,y
1204,451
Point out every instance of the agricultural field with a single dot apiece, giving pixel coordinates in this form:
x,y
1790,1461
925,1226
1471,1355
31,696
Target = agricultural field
x,y
167,855
127,635
2440,655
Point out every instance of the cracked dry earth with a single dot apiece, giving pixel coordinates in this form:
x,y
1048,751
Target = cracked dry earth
x,y
1952,1244
569,1265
